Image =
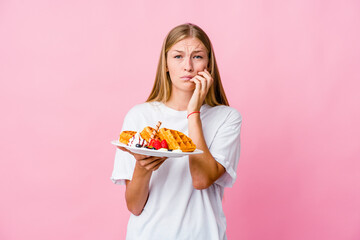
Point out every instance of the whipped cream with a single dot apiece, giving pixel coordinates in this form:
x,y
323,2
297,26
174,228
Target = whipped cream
x,y
137,139
162,150
177,151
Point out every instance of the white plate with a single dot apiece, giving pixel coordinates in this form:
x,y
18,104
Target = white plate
x,y
155,153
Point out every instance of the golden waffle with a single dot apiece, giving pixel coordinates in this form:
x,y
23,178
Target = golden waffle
x,y
176,140
125,136
146,133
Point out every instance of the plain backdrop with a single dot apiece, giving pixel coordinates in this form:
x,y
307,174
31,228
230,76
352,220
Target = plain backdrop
x,y
70,70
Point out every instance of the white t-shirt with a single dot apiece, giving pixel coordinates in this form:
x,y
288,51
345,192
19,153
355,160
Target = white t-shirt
x,y
175,209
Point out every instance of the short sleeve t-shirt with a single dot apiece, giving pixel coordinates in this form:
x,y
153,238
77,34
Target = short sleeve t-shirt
x,y
175,209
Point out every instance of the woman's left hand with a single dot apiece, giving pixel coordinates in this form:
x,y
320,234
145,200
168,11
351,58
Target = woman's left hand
x,y
203,81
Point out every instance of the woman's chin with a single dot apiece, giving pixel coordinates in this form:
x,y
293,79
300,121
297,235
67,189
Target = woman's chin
x,y
185,85
189,87
185,88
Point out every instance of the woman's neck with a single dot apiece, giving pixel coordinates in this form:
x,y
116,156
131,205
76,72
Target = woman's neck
x,y
179,100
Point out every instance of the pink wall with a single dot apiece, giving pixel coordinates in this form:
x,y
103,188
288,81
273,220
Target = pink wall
x,y
70,70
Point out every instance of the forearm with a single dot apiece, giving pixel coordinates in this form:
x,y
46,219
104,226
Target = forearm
x,y
204,169
137,190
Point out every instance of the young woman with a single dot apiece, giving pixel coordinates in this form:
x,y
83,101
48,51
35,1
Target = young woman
x,y
181,198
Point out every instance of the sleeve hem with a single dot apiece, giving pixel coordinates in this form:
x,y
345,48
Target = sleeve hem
x,y
119,181
229,177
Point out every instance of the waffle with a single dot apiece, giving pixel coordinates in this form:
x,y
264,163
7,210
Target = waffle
x,y
176,140
146,133
125,136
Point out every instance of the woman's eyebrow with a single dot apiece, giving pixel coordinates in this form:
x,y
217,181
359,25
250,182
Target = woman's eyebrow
x,y
198,51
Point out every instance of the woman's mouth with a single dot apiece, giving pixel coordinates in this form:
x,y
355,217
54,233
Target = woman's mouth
x,y
186,78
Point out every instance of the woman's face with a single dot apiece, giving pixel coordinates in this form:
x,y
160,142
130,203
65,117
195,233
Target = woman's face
x,y
184,60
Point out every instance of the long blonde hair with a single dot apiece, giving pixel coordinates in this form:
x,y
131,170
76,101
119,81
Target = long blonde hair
x,y
161,90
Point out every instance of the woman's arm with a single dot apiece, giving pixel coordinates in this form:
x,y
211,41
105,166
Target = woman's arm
x,y
137,189
204,169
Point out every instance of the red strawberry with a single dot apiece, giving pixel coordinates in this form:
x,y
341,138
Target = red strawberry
x,y
156,144
151,143
164,144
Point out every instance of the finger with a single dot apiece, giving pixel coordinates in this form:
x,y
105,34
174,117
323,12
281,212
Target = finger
x,y
205,70
140,157
146,160
205,74
145,163
153,163
208,73
161,161
201,79
158,165
204,84
208,77
197,84
149,160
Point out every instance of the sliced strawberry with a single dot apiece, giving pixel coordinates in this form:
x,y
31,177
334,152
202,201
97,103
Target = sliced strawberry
x,y
164,144
151,143
156,144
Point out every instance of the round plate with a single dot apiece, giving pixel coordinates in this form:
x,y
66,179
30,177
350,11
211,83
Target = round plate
x,y
155,153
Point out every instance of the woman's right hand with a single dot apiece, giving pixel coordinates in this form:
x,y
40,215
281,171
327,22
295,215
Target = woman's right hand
x,y
148,163
137,189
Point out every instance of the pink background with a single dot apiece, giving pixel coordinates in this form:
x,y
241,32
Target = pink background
x,y
70,70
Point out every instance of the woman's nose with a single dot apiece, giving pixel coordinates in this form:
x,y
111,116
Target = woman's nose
x,y
188,66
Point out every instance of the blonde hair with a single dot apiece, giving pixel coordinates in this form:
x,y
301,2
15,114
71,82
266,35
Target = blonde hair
x,y
161,90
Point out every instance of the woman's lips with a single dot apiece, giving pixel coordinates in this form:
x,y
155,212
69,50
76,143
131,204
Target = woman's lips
x,y
186,77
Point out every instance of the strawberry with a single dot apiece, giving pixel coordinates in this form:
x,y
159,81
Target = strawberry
x,y
164,144
151,143
156,144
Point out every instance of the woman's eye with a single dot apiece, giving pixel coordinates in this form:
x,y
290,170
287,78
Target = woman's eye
x,y
196,57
